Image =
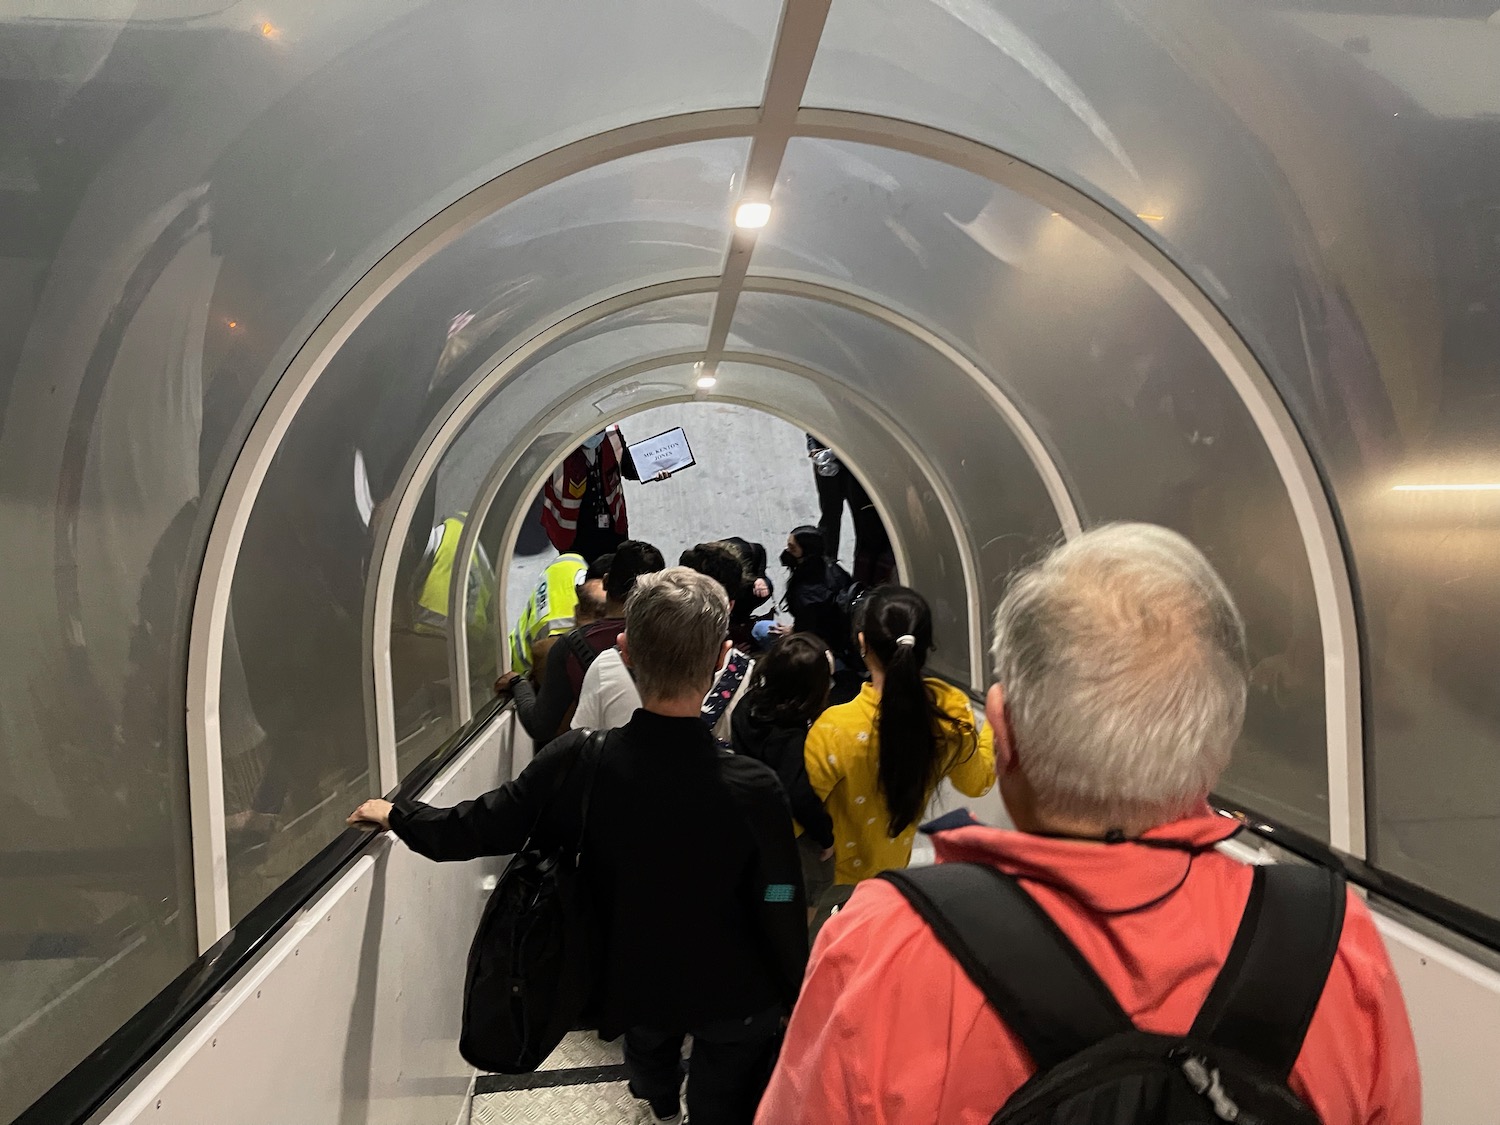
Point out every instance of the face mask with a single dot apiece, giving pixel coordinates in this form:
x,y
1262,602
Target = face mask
x,y
789,560
593,442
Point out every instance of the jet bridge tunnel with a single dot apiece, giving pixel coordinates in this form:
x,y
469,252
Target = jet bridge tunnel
x,y
284,286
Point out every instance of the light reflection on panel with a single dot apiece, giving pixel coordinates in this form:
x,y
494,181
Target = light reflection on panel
x,y
1144,424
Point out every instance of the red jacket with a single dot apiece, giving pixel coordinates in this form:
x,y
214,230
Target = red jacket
x,y
890,1031
563,492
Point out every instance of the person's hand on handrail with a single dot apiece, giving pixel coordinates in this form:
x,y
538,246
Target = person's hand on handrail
x,y
373,815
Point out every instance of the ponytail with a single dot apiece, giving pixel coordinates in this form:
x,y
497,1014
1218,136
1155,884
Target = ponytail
x,y
898,631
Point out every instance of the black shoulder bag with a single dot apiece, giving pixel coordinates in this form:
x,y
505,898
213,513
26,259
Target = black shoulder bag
x,y
533,965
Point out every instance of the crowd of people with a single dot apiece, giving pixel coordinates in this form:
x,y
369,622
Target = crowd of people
x,y
758,777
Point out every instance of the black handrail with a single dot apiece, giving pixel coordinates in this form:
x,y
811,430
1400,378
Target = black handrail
x,y
83,1090
1460,919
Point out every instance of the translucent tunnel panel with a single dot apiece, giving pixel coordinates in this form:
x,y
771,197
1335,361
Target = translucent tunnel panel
x,y
487,636
185,199
653,217
675,318
305,559
669,326
971,456
1110,377
1334,187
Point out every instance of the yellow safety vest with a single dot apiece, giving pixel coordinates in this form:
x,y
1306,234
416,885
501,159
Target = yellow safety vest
x,y
548,611
432,599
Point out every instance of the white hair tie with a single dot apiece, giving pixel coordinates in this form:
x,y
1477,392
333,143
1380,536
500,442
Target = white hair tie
x,y
907,639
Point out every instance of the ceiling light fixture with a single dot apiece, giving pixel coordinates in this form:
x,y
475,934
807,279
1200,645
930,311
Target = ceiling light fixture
x,y
706,382
752,216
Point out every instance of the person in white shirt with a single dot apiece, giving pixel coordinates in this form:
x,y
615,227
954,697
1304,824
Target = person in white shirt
x,y
609,697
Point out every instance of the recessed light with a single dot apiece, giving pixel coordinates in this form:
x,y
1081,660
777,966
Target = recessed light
x,y
752,216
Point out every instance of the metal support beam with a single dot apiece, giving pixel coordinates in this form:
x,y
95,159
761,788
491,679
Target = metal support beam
x,y
797,40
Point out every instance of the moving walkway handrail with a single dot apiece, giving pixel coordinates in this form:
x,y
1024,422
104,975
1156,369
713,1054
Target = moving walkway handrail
x,y
80,1093
89,1085
1462,920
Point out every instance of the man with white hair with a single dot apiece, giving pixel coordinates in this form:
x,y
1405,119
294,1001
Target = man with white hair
x,y
689,856
1120,669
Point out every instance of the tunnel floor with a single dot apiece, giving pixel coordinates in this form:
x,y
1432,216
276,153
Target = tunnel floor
x,y
583,1083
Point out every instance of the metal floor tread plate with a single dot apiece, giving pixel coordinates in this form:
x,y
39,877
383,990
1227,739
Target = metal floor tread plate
x,y
573,1087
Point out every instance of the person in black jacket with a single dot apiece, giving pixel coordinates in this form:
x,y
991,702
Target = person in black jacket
x,y
788,691
688,853
813,587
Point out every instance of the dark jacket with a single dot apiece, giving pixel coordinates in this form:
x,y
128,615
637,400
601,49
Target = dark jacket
x,y
812,598
689,852
543,714
780,746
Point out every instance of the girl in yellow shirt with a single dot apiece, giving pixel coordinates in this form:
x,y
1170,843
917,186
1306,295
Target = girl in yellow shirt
x,y
877,760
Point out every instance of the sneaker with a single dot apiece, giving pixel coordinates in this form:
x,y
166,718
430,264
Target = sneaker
x,y
663,1112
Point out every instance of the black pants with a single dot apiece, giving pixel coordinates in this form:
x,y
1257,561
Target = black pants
x,y
831,494
731,1065
874,559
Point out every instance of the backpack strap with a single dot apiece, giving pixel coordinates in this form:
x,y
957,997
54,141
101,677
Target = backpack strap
x,y
1264,997
578,645
1031,974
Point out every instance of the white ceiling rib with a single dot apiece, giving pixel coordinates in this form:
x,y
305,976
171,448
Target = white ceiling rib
x,y
796,45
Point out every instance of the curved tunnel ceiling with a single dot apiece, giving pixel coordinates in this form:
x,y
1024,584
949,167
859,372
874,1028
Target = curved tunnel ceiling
x,y
686,202
248,264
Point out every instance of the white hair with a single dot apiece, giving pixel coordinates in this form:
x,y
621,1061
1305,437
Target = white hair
x,y
1122,658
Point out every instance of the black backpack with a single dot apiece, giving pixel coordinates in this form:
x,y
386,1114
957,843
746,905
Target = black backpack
x,y
1093,1066
534,962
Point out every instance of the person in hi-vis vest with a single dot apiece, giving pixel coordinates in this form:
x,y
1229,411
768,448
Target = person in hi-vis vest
x,y
583,501
435,576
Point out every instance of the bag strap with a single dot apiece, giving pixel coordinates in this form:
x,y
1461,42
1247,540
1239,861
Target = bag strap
x,y
1031,974
582,651
1264,997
